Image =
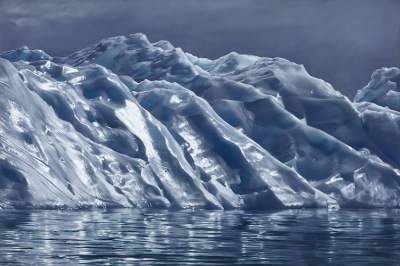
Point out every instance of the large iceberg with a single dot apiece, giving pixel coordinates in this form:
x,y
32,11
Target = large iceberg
x,y
130,123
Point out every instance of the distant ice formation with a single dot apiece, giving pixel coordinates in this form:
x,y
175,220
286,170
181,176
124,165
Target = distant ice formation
x,y
130,123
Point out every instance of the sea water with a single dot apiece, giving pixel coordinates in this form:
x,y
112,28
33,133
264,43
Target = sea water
x,y
135,237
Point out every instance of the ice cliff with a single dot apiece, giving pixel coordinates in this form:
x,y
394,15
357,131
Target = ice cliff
x,y
130,123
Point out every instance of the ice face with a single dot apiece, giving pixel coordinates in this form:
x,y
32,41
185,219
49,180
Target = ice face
x,y
383,89
130,123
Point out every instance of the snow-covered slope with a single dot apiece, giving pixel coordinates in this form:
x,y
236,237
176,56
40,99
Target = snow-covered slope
x,y
130,123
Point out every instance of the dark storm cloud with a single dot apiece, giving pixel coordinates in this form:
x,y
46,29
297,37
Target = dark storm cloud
x,y
340,41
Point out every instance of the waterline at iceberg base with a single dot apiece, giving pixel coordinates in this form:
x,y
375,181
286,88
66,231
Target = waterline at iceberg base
x,y
130,123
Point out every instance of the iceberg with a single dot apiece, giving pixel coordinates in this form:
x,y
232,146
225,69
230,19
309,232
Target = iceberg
x,y
131,123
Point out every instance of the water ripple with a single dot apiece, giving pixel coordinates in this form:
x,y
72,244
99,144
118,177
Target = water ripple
x,y
133,237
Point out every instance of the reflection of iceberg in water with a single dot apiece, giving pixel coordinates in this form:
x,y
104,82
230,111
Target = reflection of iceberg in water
x,y
126,236
129,123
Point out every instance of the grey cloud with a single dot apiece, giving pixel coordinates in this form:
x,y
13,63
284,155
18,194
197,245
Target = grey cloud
x,y
338,40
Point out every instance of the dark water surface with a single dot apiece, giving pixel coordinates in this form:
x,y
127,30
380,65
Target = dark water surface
x,y
133,237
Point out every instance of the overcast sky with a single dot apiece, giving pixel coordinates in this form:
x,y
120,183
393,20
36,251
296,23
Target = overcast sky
x,y
341,41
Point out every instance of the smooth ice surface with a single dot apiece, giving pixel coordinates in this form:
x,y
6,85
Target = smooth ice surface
x,y
130,123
